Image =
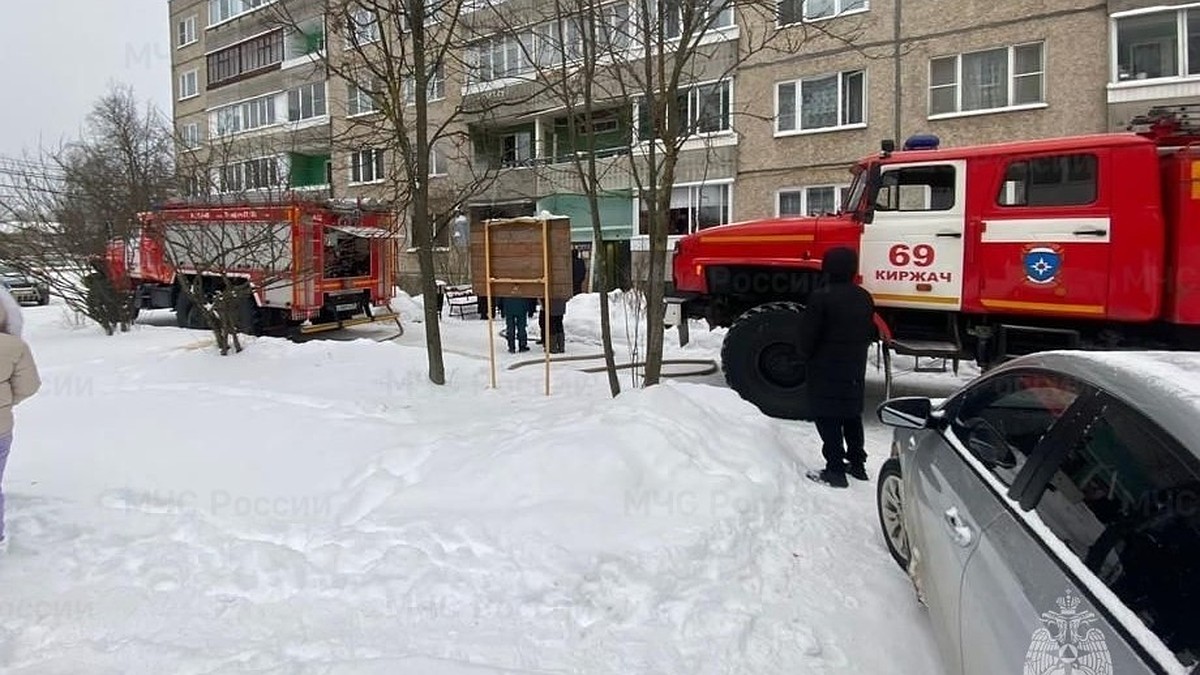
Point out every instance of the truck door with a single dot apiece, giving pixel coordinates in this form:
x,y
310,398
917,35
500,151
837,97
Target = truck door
x,y
912,250
1044,237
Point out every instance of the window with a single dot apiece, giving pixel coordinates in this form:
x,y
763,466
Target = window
x,y
435,87
916,188
366,166
363,27
795,11
186,32
1061,180
255,174
559,41
706,109
826,102
516,149
438,164
189,135
1148,45
987,80
1020,407
188,85
245,58
693,208
501,56
306,102
359,100
811,201
616,30
224,10
704,15
1125,500
246,116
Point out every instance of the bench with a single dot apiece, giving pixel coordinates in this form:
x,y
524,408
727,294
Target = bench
x,y
463,297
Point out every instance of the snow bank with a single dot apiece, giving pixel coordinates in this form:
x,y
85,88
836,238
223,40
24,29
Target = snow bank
x,y
323,507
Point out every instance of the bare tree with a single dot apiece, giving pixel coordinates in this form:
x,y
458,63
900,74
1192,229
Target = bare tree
x,y
396,58
73,201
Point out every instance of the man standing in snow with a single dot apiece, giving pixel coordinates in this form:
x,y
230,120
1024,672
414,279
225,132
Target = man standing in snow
x,y
18,381
516,312
838,329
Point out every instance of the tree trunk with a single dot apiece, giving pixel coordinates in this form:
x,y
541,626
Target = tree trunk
x,y
656,277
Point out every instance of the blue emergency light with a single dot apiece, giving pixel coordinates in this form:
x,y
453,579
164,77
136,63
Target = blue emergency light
x,y
922,142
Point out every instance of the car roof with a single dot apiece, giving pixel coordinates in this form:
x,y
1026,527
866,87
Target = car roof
x,y
1163,385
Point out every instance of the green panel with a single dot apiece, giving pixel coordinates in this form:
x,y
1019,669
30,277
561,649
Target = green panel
x,y
616,215
308,170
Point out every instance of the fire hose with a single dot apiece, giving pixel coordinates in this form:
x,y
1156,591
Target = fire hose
x,y
709,365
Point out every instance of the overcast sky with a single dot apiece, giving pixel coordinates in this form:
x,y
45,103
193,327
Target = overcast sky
x,y
59,56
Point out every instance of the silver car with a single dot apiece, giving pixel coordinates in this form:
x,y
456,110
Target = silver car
x,y
1048,514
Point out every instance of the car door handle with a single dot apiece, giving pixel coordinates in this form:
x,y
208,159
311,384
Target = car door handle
x,y
1090,233
952,235
959,531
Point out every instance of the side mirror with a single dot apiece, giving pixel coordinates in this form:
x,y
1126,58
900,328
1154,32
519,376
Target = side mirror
x,y
909,412
989,445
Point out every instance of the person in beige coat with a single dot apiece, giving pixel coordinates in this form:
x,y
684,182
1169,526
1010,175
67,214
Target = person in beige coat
x,y
19,380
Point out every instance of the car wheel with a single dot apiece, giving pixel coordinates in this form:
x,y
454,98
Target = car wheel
x,y
890,501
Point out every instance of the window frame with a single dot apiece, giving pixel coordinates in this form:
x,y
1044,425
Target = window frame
x,y
1010,162
187,32
839,11
841,192
1011,78
694,204
195,80
189,135
797,85
376,164
311,89
1181,45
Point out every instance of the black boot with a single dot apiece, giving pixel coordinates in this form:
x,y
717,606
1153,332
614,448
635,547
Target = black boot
x,y
857,471
835,479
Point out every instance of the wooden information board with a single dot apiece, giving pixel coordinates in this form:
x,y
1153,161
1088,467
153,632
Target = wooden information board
x,y
516,253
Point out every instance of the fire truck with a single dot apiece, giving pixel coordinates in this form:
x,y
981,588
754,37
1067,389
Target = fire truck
x,y
311,266
971,253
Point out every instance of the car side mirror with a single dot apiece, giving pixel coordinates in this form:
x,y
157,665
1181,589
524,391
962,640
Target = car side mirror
x,y
988,445
907,412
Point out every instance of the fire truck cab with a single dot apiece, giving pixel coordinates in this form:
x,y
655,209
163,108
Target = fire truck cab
x,y
983,252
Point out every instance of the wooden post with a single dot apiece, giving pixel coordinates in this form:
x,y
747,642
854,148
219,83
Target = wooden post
x,y
487,257
546,285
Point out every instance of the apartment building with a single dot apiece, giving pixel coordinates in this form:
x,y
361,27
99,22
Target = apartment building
x,y
777,128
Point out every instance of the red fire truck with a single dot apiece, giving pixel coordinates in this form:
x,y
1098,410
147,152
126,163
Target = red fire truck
x,y
983,252
312,266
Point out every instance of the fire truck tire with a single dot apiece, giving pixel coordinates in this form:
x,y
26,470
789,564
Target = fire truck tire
x,y
759,360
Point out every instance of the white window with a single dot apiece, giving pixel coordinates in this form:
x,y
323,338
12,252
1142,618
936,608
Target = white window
x,y
359,100
693,208
254,174
516,149
617,30
823,102
306,102
224,10
705,15
435,87
362,27
987,80
246,116
815,200
795,11
501,56
189,135
366,166
708,108
186,32
1157,45
438,163
189,85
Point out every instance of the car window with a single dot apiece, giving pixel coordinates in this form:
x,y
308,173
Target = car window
x,y
1021,406
1126,500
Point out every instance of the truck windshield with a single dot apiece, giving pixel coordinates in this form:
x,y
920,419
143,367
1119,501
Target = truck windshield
x,y
857,186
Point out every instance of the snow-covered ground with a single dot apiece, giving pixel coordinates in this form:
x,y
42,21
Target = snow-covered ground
x,y
323,508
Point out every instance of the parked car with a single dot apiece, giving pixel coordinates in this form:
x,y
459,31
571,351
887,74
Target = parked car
x,y
1048,513
24,289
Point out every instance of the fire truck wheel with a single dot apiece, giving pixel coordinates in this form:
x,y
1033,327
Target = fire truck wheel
x,y
761,362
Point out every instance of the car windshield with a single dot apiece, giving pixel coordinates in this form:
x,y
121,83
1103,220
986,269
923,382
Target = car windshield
x,y
857,187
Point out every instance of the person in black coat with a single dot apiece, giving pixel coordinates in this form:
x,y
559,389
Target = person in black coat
x,y
837,330
578,271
